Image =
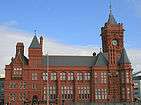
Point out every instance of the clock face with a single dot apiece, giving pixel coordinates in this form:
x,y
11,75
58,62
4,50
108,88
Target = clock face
x,y
114,42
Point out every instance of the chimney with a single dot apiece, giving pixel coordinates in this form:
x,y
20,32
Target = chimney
x,y
41,42
20,48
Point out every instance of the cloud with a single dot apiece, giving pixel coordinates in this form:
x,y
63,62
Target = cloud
x,y
57,48
135,57
11,23
10,36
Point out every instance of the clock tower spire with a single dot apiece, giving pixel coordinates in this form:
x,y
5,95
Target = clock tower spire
x,y
112,34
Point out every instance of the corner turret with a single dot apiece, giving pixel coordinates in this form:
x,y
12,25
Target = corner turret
x,y
35,52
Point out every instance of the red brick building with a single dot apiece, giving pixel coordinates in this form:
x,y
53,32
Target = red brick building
x,y
103,77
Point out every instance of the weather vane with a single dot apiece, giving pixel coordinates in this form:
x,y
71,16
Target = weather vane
x,y
110,6
35,32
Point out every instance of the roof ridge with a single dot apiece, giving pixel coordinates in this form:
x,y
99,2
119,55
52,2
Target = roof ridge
x,y
69,55
111,16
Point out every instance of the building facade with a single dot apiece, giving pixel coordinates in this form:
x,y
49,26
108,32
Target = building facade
x,y
1,91
64,80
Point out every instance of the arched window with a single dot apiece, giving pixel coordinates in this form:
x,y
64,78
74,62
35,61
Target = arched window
x,y
86,76
79,76
71,76
63,76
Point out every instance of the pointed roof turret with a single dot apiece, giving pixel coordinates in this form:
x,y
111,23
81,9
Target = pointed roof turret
x,y
101,60
124,58
34,43
111,17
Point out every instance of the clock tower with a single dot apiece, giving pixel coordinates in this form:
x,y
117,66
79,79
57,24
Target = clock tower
x,y
112,35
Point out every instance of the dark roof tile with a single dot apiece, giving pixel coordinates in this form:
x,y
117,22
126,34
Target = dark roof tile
x,y
70,60
124,58
101,60
111,19
34,43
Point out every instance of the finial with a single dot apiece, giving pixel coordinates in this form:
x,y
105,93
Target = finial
x,y
111,17
35,32
110,7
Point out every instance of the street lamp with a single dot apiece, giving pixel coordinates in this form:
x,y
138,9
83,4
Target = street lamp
x,y
47,69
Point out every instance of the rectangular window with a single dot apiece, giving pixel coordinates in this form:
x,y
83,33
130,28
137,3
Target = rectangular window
x,y
34,86
53,76
52,92
67,92
84,92
103,77
34,76
101,94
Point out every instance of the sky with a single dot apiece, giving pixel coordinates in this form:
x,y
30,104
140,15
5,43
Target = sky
x,y
70,27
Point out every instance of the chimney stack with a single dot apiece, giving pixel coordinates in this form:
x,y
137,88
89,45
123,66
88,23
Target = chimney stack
x,y
20,48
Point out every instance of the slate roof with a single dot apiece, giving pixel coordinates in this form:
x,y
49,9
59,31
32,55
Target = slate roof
x,y
124,58
24,60
101,60
34,43
137,78
70,60
111,18
2,79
